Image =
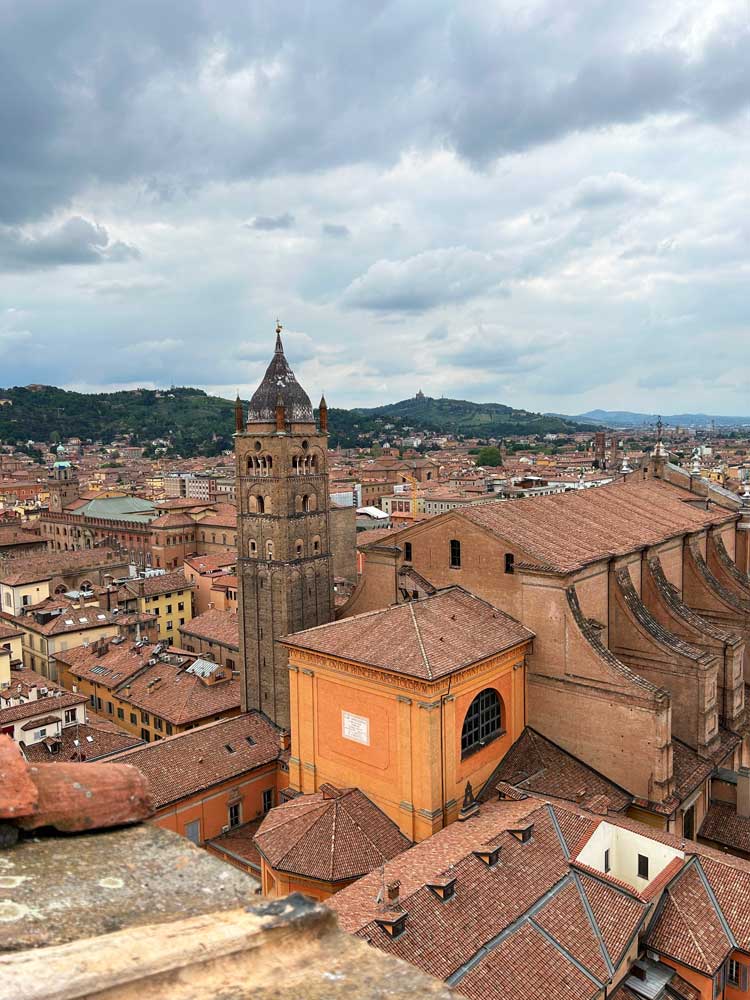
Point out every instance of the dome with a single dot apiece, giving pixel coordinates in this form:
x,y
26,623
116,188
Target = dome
x,y
279,383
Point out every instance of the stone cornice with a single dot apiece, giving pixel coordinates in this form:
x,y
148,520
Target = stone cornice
x,y
414,684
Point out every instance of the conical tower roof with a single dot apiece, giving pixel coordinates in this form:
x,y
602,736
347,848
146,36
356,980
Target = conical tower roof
x,y
280,385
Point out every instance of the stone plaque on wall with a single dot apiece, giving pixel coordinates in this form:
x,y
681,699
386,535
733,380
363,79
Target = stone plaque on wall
x,y
356,728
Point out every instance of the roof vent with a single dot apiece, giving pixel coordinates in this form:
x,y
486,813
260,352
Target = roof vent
x,y
488,855
523,833
444,887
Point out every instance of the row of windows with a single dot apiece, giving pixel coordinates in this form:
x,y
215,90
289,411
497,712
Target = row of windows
x,y
259,504
101,706
299,548
455,556
234,816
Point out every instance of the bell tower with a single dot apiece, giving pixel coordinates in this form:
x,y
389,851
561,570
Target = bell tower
x,y
63,486
283,538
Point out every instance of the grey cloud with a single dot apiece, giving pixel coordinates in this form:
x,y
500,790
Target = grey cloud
x,y
436,277
335,231
611,189
177,96
268,223
76,241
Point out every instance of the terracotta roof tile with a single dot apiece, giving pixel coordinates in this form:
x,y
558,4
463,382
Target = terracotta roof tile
x,y
536,764
215,626
104,741
688,927
193,761
566,531
430,638
545,972
331,835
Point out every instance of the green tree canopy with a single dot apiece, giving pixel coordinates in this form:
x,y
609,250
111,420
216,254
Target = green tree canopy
x,y
490,455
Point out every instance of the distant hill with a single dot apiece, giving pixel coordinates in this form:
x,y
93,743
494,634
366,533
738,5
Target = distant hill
x,y
460,416
626,418
193,422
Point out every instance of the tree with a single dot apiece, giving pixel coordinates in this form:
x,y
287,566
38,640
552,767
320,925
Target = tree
x,y
490,456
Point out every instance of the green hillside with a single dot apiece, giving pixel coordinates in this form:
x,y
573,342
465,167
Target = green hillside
x,y
194,423
460,416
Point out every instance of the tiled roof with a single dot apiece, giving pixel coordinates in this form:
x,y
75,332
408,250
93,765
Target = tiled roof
x,y
566,919
526,966
355,906
191,762
166,583
10,535
723,826
430,638
566,531
616,913
28,685
173,520
103,742
536,764
172,693
574,928
31,569
9,631
215,626
331,835
111,668
688,927
239,842
212,563
70,619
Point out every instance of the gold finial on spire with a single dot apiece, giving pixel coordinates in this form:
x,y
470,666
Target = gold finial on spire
x,y
279,327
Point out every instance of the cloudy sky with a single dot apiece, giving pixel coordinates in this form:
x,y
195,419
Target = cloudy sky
x,y
540,203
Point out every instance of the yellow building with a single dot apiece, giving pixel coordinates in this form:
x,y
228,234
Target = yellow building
x,y
11,651
409,704
168,596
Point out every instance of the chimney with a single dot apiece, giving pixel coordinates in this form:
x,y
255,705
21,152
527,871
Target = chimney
x,y
284,741
743,792
392,894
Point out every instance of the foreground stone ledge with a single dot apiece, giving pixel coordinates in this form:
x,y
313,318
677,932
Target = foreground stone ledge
x,y
275,950
141,914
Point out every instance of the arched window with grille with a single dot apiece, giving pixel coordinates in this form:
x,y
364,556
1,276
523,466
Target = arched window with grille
x,y
483,722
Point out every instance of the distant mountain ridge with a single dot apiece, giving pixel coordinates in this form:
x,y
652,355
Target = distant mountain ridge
x,y
461,416
627,418
194,423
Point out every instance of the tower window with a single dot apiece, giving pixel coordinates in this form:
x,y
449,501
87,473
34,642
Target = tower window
x,y
483,722
305,503
510,560
253,548
260,505
269,550
455,553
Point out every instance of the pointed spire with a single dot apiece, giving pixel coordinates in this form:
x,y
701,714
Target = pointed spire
x,y
323,415
239,416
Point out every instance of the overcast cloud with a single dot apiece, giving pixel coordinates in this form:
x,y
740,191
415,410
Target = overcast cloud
x,y
534,203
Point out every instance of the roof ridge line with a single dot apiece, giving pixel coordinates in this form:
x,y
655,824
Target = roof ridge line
x,y
422,650
594,925
564,952
715,902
